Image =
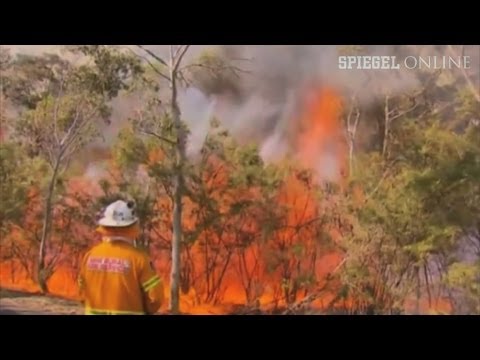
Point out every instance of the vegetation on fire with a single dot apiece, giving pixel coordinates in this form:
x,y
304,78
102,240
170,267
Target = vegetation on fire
x,y
400,232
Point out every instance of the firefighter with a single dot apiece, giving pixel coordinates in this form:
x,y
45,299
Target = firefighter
x,y
115,277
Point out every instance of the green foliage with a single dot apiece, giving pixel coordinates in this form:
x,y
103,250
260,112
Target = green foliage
x,y
5,58
247,165
450,186
468,107
112,70
62,102
35,77
130,149
466,279
18,174
213,73
5,66
420,202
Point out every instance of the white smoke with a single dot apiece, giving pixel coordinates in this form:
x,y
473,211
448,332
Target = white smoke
x,y
273,148
33,49
197,111
95,171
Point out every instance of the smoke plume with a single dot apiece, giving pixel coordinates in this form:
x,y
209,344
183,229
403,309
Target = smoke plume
x,y
281,78
270,98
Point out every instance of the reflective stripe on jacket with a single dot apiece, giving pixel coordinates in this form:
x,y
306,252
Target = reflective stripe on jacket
x,y
89,311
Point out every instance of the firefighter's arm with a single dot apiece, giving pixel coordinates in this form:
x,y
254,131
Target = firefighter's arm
x,y
152,288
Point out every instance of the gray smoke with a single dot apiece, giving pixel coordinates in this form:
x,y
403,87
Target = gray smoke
x,y
270,99
280,75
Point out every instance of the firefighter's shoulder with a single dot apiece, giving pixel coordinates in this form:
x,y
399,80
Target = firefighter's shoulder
x,y
95,248
140,255
89,252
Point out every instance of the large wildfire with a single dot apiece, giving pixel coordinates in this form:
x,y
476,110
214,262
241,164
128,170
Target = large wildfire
x,y
227,266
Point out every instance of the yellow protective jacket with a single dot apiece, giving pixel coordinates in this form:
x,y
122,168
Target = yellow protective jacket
x,y
118,279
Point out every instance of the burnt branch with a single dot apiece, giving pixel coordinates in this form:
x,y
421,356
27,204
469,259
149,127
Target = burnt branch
x,y
181,51
154,68
214,68
153,55
159,137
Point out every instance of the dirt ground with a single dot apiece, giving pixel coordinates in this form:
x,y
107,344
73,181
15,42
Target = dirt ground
x,y
14,302
19,303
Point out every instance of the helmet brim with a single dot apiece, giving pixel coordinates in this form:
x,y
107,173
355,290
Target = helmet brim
x,y
113,223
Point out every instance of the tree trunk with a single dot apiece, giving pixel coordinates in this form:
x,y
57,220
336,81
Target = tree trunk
x,y
177,196
42,275
418,293
12,271
350,155
177,235
386,129
351,131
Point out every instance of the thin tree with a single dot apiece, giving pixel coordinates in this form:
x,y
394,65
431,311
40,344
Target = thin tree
x,y
176,74
61,117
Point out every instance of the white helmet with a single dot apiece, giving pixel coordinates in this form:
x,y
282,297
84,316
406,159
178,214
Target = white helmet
x,y
119,214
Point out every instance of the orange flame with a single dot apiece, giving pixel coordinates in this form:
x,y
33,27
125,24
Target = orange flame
x,y
236,260
320,142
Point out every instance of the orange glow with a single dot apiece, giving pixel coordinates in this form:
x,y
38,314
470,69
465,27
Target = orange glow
x,y
155,156
320,144
234,258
